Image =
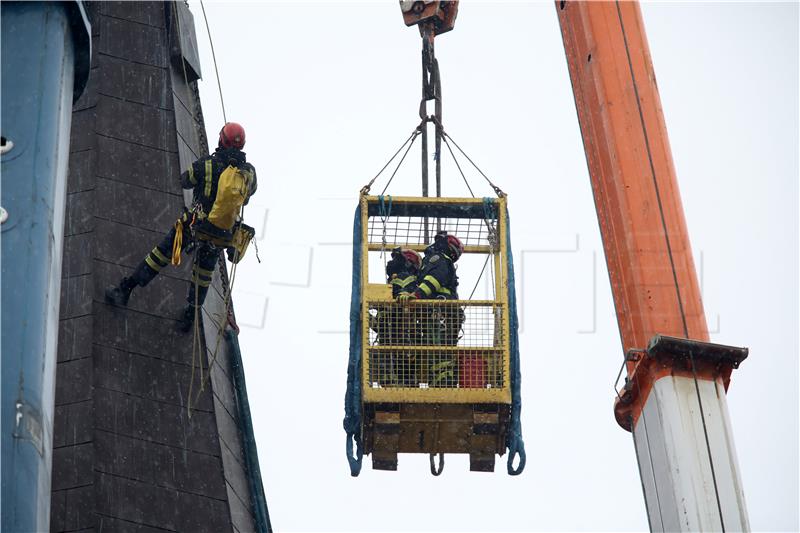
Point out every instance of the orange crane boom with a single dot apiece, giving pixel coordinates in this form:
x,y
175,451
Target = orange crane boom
x,y
675,377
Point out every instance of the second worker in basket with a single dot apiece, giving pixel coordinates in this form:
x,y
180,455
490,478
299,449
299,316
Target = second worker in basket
x,y
222,183
440,324
437,277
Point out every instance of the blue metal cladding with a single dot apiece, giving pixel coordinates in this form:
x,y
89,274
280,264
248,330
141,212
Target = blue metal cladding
x,y
40,43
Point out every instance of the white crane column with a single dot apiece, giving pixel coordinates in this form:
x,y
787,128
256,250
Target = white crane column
x,y
687,458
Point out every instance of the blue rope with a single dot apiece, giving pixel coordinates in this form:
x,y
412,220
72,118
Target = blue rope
x,y
352,399
384,211
259,500
488,208
514,442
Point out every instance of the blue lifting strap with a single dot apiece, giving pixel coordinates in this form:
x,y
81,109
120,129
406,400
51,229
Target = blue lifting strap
x,y
514,442
352,398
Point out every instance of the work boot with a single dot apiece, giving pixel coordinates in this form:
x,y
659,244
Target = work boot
x,y
120,295
186,320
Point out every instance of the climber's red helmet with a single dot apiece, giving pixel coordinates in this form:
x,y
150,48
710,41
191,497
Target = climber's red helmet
x,y
231,136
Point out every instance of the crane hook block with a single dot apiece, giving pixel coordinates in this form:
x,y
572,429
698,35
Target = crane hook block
x,y
441,13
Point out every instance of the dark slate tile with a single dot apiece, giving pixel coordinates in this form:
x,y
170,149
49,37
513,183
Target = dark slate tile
x,y
107,523
223,386
241,512
58,510
139,83
186,126
125,456
235,474
165,296
88,97
228,429
72,466
188,154
138,165
79,508
135,501
77,258
150,13
74,381
132,41
153,379
82,135
182,92
76,296
196,513
75,338
79,217
199,474
59,425
185,40
155,336
73,424
156,422
136,206
159,464
123,245
81,171
129,121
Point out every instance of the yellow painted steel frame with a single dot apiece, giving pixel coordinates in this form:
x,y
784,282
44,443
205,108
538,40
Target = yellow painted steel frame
x,y
379,292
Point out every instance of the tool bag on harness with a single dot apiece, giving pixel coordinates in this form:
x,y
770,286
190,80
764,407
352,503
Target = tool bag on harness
x,y
242,235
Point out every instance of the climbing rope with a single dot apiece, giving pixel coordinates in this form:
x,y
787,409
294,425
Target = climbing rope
x,y
214,57
223,318
177,243
196,344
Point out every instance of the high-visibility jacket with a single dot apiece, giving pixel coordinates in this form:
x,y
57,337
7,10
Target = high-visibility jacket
x,y
203,175
400,275
437,278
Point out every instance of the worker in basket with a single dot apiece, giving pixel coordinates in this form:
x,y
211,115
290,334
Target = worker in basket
x,y
222,183
440,325
391,326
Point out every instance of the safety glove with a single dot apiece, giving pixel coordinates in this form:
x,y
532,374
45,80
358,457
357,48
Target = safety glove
x,y
405,297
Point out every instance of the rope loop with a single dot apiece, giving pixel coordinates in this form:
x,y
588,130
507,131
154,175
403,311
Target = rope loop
x,y
434,470
354,460
516,448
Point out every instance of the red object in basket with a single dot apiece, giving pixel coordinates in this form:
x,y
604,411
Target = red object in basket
x,y
472,371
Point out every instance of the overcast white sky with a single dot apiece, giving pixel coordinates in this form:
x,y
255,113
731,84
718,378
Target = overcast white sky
x,y
327,91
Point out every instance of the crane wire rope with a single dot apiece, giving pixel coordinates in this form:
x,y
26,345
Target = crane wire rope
x,y
365,189
459,167
496,189
214,57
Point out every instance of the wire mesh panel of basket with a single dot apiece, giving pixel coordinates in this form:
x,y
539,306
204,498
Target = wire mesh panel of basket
x,y
411,230
442,344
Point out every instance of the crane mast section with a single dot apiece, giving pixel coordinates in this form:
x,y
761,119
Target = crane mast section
x,y
673,400
636,193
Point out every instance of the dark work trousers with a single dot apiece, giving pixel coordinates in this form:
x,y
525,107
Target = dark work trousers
x,y
205,260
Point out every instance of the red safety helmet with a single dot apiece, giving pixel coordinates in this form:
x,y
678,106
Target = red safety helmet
x,y
455,247
231,136
412,257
